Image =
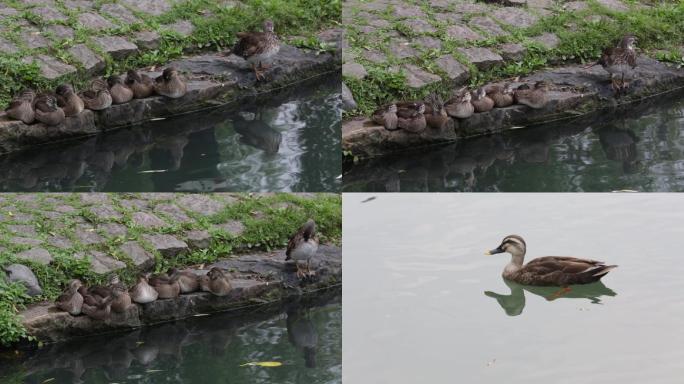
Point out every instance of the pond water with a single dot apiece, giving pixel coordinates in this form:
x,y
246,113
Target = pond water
x,y
639,147
211,349
288,143
426,305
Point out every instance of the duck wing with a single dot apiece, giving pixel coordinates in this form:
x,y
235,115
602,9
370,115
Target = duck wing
x,y
294,241
558,270
250,43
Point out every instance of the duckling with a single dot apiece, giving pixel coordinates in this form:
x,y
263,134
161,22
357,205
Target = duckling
x,y
387,117
120,92
97,97
411,117
481,102
257,47
170,84
167,287
502,96
303,246
187,280
99,311
121,299
142,292
47,111
437,117
68,100
204,283
141,85
218,283
459,105
549,270
534,98
71,300
21,107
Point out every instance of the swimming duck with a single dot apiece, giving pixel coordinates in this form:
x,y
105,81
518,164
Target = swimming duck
x,y
119,91
481,102
141,85
142,292
167,287
170,84
100,310
620,61
549,270
21,107
47,111
97,97
218,283
121,299
257,48
302,246
68,100
534,98
71,300
387,117
187,280
411,116
459,105
437,116
501,95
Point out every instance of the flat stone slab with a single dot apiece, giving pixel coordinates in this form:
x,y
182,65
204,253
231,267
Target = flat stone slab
x,y
461,32
173,212
548,40
8,46
487,25
167,245
24,274
254,277
50,68
142,259
147,39
116,46
456,71
102,263
233,227
482,58
37,255
354,70
48,14
94,21
90,61
147,220
153,7
119,12
515,17
198,239
512,51
183,27
33,38
417,77
60,31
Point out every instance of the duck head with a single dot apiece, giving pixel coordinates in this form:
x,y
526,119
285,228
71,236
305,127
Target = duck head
x,y
268,26
543,85
508,89
392,108
215,273
64,90
310,226
628,42
114,80
480,93
421,108
132,76
169,73
75,285
513,244
46,103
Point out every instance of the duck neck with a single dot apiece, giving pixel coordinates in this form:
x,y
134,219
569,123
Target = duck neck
x,y
516,262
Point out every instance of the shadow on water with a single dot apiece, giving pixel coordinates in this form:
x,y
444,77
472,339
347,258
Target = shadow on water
x,y
290,142
514,303
306,340
637,147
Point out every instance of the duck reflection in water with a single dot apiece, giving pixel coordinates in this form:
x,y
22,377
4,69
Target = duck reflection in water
x,y
256,133
302,333
514,303
620,144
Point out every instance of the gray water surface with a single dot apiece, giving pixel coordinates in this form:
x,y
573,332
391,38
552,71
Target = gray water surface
x,y
423,304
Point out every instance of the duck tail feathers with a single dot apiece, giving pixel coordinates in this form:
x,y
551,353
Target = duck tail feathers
x,y
604,270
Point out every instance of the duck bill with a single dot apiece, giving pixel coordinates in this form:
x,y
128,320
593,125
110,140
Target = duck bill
x,y
494,251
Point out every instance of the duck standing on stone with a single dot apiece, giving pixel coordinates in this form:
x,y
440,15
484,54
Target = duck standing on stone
x,y
459,105
257,48
534,98
387,117
97,98
437,117
68,100
620,61
121,299
302,247
141,85
501,95
217,283
170,84
411,116
481,102
71,300
142,292
119,90
21,107
47,111
187,280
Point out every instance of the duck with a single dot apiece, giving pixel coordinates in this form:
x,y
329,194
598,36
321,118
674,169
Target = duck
x,y
170,84
47,111
21,107
186,279
141,85
167,287
386,116
481,102
549,270
459,105
71,300
302,247
620,61
501,95
97,98
437,116
121,299
217,282
535,98
100,310
119,90
258,47
411,116
68,100
142,292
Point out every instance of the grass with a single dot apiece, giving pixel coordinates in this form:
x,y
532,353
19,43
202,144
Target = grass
x,y
268,222
583,35
215,26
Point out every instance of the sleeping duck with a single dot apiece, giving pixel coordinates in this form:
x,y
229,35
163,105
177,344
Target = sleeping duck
x,y
481,101
218,283
47,111
167,287
170,84
459,105
502,95
142,292
186,279
437,117
97,97
386,116
141,85
119,90
411,116
21,107
549,270
534,98
68,100
71,300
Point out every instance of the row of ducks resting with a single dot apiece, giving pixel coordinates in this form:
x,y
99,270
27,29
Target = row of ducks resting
x,y
52,109
415,116
98,302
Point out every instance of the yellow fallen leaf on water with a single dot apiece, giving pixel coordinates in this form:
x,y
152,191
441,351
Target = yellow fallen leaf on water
x,y
268,364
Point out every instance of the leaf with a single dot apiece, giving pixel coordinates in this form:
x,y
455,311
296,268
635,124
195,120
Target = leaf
x,y
268,364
